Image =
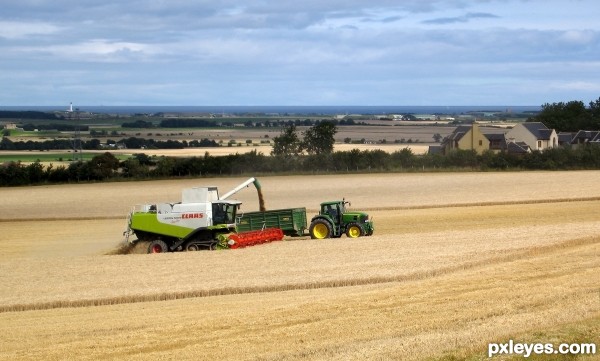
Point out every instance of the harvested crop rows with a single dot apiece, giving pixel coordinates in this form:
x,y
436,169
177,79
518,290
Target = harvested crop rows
x,y
457,261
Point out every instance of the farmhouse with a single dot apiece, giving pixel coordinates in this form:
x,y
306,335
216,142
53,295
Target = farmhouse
x,y
467,137
535,134
522,138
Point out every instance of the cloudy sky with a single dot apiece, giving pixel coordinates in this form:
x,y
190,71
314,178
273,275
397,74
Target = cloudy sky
x,y
299,52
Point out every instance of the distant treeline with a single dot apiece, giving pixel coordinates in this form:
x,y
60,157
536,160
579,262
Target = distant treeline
x,y
107,167
188,123
213,123
94,144
28,114
138,124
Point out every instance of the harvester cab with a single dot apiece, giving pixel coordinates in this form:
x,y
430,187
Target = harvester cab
x,y
334,220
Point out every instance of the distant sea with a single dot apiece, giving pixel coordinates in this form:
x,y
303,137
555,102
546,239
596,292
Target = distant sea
x,y
285,110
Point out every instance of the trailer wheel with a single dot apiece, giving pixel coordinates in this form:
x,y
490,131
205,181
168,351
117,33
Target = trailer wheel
x,y
158,246
320,229
354,231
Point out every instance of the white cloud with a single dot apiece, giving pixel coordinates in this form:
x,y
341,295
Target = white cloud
x,y
105,47
92,51
579,36
21,30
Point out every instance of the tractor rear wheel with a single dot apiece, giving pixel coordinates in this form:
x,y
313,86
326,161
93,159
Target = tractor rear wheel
x,y
158,246
320,229
354,231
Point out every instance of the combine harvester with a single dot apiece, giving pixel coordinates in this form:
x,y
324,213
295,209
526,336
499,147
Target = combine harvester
x,y
205,221
202,220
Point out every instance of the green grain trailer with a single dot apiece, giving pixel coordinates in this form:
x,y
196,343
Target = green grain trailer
x,y
292,221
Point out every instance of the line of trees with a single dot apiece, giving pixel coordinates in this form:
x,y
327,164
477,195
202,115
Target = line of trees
x,y
28,114
571,116
107,167
95,144
138,124
215,123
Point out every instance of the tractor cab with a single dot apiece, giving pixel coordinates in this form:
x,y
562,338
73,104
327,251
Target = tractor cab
x,y
334,210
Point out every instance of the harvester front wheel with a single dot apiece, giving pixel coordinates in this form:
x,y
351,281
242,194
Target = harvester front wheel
x,y
158,246
320,229
354,231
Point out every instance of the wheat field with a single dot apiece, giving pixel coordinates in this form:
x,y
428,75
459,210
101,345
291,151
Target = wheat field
x,y
458,260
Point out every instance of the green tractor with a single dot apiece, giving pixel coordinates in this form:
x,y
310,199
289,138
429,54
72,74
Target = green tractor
x,y
333,220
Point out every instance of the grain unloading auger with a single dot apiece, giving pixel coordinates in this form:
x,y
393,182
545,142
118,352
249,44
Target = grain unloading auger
x,y
202,220
261,200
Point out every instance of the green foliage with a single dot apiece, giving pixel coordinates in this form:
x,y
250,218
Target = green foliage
x,y
571,116
55,144
287,143
6,144
130,143
319,139
103,166
138,124
403,158
462,159
188,123
28,114
35,172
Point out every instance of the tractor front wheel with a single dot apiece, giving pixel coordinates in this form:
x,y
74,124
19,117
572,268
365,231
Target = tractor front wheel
x,y
320,229
354,231
158,246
